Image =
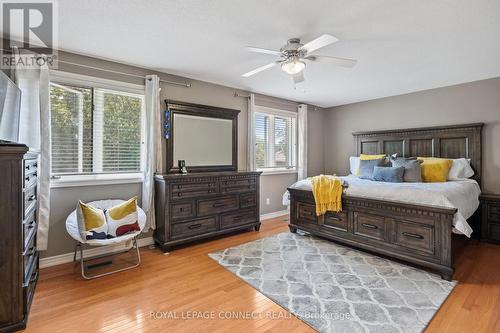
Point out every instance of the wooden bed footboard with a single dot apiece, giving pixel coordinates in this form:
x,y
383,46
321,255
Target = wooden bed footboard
x,y
417,234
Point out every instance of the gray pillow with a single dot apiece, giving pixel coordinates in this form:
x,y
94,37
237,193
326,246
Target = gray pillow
x,y
388,174
413,172
366,167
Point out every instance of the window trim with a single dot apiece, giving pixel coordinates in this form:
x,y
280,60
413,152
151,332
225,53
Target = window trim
x,y
70,180
280,113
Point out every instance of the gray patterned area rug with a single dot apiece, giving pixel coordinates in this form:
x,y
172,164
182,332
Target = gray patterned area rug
x,y
337,289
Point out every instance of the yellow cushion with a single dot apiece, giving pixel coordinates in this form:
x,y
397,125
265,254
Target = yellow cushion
x,y
435,170
122,218
365,157
91,222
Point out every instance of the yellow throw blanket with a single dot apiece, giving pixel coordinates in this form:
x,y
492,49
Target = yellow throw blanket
x,y
327,191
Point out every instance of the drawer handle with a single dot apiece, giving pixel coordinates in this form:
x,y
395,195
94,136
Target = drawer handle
x,y
306,212
335,218
194,226
29,252
28,167
27,178
369,226
31,225
181,209
239,217
218,204
32,197
416,236
179,194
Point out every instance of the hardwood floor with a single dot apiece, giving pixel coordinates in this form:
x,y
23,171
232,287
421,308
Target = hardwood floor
x,y
188,282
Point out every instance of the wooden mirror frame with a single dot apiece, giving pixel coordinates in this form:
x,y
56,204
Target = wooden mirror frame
x,y
176,107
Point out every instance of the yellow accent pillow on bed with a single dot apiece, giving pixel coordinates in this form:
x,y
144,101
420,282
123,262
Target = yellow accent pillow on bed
x,y
364,157
435,170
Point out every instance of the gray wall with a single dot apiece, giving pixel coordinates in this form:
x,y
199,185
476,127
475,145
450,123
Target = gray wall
x,y
63,200
465,103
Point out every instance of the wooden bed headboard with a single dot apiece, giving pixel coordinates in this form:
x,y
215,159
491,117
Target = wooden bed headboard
x,y
455,141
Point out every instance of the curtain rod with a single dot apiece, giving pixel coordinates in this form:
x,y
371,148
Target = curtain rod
x,y
183,84
242,96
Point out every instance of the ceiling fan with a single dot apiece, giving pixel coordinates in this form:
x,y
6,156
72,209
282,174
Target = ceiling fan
x,y
293,56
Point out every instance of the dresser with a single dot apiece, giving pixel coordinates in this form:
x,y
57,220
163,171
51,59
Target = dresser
x,y
490,215
18,225
201,205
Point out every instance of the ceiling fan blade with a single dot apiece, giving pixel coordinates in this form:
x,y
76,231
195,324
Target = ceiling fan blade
x,y
318,43
334,60
265,51
260,69
298,78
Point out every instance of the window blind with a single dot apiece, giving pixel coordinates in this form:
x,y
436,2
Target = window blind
x,y
95,130
275,141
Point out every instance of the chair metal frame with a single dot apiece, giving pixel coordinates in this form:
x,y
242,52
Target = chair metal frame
x,y
84,261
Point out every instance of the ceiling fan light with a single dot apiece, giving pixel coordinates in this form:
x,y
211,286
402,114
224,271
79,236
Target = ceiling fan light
x,y
293,66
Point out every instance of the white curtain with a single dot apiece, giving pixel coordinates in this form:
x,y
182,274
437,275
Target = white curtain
x,y
34,126
302,142
153,158
251,139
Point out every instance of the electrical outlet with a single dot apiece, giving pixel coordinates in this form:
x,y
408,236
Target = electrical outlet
x,y
268,201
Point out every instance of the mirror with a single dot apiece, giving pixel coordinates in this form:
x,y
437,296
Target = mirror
x,y
205,137
203,141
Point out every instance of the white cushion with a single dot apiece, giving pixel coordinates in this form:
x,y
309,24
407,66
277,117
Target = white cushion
x,y
73,231
354,165
460,169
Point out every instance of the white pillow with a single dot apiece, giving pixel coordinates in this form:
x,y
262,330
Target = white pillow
x,y
460,169
354,165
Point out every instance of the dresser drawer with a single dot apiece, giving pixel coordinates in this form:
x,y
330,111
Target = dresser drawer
x,y
29,201
336,221
239,218
238,185
371,226
30,166
30,178
30,229
185,191
219,205
415,236
189,187
494,231
182,210
248,200
306,213
29,257
29,290
193,228
494,212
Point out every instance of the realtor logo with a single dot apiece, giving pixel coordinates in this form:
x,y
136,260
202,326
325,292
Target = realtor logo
x,y
30,27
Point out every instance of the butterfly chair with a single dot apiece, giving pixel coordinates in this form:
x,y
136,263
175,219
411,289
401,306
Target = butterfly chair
x,y
73,231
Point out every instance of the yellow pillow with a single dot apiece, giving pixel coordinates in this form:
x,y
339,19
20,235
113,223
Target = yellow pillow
x,y
364,157
91,222
435,170
122,218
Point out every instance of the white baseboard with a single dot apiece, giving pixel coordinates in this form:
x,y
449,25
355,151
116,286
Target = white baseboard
x,y
95,251
274,214
100,250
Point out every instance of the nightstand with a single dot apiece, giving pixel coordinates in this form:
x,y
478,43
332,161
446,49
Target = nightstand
x,y
490,211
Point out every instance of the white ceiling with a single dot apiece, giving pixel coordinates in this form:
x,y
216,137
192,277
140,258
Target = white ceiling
x,y
401,45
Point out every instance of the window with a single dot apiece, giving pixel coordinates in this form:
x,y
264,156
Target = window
x,y
95,129
275,140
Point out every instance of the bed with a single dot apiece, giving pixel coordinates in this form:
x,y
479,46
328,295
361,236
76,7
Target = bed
x,y
414,223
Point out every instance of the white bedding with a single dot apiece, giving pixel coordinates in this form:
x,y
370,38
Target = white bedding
x,y
460,194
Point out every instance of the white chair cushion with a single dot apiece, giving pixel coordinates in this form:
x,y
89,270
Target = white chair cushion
x,y
73,231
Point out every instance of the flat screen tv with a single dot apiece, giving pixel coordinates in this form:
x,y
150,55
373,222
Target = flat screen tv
x,y
10,106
